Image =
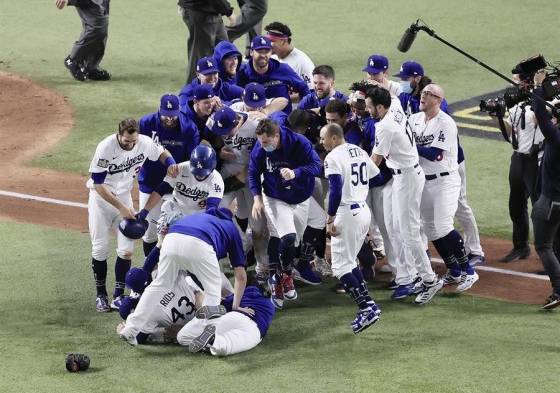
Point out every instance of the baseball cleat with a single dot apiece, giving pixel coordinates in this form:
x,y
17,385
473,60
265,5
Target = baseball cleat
x,y
99,74
402,291
516,254
102,304
392,285
288,287
210,312
116,303
339,288
451,279
323,267
475,259
262,278
75,70
203,341
551,302
467,281
303,272
365,318
276,291
128,337
428,291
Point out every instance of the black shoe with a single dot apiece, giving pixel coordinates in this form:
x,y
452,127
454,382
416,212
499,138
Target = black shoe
x,y
553,301
339,288
99,74
75,69
516,254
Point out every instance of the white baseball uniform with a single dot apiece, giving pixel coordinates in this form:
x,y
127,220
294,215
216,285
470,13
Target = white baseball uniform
x,y
353,215
175,307
443,183
189,194
301,64
121,167
394,142
465,217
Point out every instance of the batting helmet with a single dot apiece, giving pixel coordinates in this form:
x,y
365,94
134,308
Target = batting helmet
x,y
203,161
136,279
133,229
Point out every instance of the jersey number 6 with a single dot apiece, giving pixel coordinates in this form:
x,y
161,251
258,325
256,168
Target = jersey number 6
x,y
359,174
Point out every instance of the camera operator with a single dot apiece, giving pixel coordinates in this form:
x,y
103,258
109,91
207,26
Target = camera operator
x,y
526,138
546,211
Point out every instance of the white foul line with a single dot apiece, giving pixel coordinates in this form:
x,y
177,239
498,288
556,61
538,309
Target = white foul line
x,y
42,199
503,271
436,260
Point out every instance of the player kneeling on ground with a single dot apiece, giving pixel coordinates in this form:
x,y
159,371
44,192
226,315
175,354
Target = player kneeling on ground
x,y
349,170
237,331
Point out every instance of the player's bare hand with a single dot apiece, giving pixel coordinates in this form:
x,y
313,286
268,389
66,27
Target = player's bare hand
x,y
287,173
173,170
246,310
539,77
60,4
127,212
217,103
227,154
257,207
331,229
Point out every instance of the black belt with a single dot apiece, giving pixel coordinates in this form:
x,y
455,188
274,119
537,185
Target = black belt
x,y
432,177
398,171
354,206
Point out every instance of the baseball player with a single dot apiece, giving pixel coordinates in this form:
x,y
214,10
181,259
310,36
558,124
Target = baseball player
x,y
238,131
436,140
228,59
288,165
116,162
173,310
195,243
198,187
256,104
336,111
234,332
278,78
207,73
166,127
323,89
349,171
377,69
394,142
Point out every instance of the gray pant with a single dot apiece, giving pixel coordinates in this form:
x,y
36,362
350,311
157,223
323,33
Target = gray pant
x,y
546,225
90,47
252,14
205,31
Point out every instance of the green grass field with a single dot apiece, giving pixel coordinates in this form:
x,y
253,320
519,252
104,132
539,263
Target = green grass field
x,y
456,344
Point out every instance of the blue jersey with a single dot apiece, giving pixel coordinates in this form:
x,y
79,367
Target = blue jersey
x,y
226,91
278,80
222,50
353,133
221,234
368,143
311,100
179,141
253,298
296,153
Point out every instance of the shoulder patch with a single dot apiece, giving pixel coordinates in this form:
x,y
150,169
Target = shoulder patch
x,y
102,163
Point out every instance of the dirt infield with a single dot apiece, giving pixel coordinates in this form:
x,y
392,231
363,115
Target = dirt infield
x,y
45,118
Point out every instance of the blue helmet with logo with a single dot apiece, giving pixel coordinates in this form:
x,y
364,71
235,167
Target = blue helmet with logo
x,y
203,161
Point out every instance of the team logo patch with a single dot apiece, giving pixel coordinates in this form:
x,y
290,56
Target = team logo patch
x,y
441,137
371,63
102,163
217,188
199,165
220,124
169,105
263,41
209,64
255,97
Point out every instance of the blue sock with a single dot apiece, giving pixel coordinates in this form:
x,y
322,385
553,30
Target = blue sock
x,y
273,255
287,252
122,266
444,249
148,247
151,260
99,275
356,289
457,246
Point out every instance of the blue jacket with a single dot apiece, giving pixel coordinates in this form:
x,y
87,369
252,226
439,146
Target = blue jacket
x,y
226,91
179,141
353,133
253,298
277,80
311,100
296,153
222,50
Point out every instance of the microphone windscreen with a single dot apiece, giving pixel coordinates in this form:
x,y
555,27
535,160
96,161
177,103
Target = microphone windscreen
x,y
407,39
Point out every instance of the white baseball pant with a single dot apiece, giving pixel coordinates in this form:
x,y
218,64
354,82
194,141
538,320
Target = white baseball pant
x,y
439,204
235,333
466,219
151,233
379,201
102,218
283,218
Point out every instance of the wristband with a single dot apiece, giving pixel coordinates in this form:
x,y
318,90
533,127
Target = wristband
x,y
143,214
169,161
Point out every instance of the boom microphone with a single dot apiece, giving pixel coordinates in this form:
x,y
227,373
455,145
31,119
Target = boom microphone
x,y
408,38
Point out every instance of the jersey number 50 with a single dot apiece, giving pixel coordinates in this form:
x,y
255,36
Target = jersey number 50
x,y
359,174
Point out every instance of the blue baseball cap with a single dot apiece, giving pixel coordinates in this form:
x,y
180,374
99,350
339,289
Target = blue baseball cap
x,y
376,64
206,65
202,92
225,120
410,68
254,95
261,42
169,105
136,279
